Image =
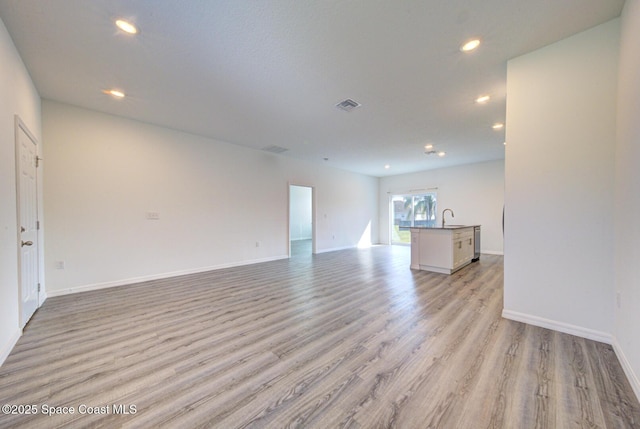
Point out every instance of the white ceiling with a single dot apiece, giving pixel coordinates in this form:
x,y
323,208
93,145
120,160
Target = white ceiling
x,y
261,73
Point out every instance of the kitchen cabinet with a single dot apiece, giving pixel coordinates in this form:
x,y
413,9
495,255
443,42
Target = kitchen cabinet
x,y
442,250
462,247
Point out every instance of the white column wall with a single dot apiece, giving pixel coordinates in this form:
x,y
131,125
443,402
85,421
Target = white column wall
x,y
627,197
561,132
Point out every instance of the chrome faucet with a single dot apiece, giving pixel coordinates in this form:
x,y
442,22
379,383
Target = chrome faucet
x,y
443,211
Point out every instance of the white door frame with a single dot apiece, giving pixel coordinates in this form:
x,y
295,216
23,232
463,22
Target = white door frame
x,y
314,249
36,239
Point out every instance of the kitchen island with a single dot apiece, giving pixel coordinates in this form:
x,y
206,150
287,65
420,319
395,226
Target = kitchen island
x,y
442,249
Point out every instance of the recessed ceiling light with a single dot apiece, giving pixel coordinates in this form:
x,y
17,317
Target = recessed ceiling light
x,y
470,45
497,126
428,146
441,153
483,99
126,26
505,143
114,93
387,166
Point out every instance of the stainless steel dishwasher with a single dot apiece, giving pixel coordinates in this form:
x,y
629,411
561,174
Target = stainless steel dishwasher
x,y
476,240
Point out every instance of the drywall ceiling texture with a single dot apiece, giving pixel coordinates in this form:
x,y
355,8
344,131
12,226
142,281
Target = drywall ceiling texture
x,y
18,96
217,204
561,132
627,201
475,193
270,73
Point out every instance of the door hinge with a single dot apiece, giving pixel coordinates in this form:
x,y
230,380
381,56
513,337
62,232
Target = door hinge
x,y
38,287
37,224
38,159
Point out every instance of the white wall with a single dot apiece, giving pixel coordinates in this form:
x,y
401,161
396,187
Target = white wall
x,y
300,213
561,128
17,96
215,201
475,193
627,196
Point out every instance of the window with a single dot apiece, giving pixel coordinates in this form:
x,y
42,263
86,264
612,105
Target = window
x,y
408,211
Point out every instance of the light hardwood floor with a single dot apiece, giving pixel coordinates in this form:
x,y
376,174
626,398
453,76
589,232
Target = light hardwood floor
x,y
344,339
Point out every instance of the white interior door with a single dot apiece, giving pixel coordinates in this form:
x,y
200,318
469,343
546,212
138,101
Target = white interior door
x,y
28,225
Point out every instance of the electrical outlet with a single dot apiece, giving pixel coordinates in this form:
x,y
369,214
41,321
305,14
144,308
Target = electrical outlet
x,y
59,265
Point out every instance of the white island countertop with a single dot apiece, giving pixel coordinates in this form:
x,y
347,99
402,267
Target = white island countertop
x,y
444,227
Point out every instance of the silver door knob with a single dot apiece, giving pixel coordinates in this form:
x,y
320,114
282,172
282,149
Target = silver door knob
x,y
27,243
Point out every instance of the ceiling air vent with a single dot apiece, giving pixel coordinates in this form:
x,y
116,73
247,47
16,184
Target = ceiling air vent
x,y
348,105
274,149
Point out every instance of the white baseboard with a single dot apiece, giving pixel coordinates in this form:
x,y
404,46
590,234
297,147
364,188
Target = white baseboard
x,y
567,328
132,280
6,348
42,297
124,282
492,252
628,370
334,249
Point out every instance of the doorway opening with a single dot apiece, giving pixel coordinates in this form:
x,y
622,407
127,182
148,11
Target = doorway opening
x,y
301,221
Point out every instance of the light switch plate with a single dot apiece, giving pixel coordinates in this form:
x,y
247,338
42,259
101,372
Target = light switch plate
x,y
153,216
